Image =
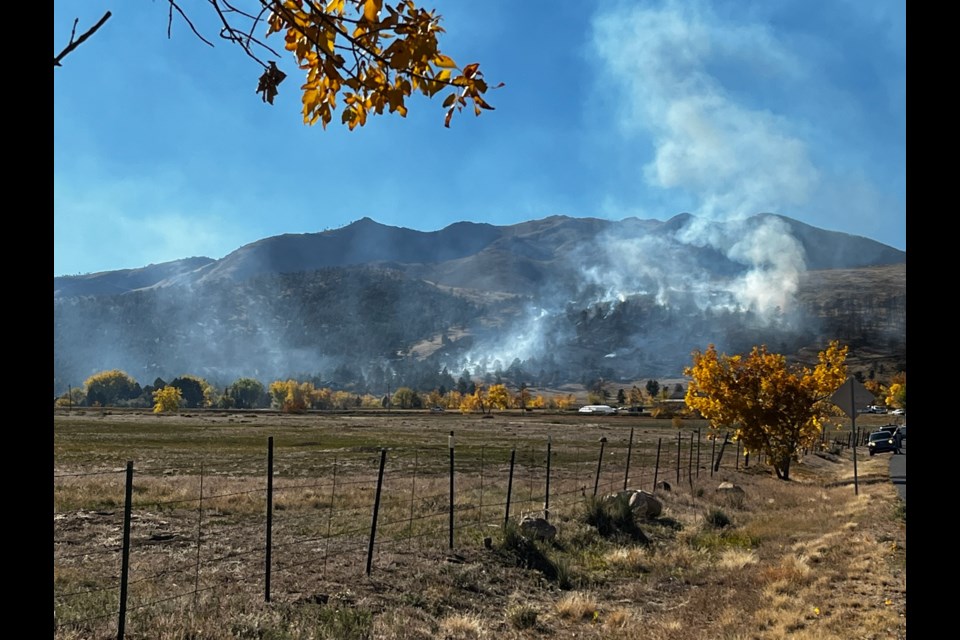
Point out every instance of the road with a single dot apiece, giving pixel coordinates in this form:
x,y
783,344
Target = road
x,y
898,471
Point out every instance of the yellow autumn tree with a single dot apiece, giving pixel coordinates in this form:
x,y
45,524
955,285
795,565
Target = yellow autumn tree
x,y
107,388
167,400
290,396
770,406
452,400
406,398
565,402
896,396
498,396
369,54
877,389
475,401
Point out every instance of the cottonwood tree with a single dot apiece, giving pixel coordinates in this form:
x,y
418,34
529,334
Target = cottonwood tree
x,y
897,392
107,388
367,54
195,391
246,393
498,396
167,400
476,401
769,405
291,396
406,398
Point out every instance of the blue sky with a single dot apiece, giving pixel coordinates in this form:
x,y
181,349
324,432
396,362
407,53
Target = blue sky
x,y
163,150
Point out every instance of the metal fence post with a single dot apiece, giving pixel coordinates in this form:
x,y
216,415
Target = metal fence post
x,y
678,458
656,466
596,482
450,443
506,515
713,453
376,510
626,474
698,453
125,558
266,583
546,499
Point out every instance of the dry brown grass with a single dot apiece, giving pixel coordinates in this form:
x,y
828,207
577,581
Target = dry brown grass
x,y
801,559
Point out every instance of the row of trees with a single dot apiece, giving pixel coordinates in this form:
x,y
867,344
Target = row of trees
x,y
760,399
117,388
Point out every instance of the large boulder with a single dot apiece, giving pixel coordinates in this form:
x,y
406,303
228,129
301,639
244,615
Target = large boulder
x,y
643,503
730,489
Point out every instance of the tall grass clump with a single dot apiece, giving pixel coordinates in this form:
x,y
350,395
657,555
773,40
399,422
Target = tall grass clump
x,y
717,519
526,553
521,616
613,518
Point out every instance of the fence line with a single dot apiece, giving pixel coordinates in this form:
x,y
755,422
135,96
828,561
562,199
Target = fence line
x,y
485,491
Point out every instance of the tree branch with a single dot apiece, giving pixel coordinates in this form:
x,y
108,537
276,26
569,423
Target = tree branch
x,y
73,44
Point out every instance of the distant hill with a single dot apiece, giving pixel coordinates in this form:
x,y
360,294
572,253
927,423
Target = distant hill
x,y
556,299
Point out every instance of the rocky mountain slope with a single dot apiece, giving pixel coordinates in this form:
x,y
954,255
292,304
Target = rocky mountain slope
x,y
551,300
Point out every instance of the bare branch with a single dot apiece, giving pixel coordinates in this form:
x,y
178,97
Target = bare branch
x,y
73,44
174,5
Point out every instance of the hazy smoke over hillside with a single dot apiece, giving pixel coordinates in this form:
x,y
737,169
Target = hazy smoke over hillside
x,y
755,276
571,300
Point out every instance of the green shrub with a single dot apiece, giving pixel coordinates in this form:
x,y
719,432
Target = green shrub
x,y
613,518
526,553
717,519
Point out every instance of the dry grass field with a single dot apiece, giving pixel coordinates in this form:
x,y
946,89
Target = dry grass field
x,y
808,559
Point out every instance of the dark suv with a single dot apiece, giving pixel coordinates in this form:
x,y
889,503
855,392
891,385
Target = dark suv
x,y
880,441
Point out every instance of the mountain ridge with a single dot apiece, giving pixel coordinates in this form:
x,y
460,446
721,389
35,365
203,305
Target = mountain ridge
x,y
553,300
366,241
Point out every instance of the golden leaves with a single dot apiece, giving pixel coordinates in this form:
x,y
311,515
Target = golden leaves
x,y
774,407
337,50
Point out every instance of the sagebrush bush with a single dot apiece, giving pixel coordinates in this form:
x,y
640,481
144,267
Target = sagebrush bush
x,y
521,616
525,552
613,517
717,519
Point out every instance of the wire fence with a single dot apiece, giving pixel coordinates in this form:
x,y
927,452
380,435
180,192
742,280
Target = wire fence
x,y
152,537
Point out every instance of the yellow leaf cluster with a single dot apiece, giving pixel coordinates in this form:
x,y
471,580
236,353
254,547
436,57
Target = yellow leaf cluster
x,y
374,54
897,395
769,405
498,396
166,400
475,401
290,396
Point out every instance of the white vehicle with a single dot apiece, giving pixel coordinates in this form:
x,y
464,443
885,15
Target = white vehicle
x,y
603,409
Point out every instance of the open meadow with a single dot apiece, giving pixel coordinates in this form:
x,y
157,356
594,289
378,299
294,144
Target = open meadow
x,y
382,525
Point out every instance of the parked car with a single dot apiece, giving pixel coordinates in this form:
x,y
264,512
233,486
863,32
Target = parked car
x,y
603,409
899,412
880,441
